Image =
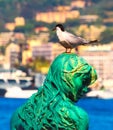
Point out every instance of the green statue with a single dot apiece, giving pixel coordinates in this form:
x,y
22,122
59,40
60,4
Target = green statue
x,y
53,107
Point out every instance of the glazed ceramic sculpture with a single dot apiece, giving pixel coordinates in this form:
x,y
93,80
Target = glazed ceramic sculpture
x,y
53,107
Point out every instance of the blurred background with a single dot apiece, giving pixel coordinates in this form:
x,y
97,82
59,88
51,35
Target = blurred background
x,y
28,46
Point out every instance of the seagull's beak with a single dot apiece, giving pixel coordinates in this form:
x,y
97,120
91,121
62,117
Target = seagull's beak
x,y
53,29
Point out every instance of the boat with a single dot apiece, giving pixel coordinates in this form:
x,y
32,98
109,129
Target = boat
x,y
17,92
10,88
104,94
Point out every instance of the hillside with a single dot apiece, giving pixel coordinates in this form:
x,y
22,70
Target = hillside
x,y
28,8
9,9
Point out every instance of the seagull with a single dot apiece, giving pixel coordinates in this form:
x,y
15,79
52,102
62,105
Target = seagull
x,y
68,40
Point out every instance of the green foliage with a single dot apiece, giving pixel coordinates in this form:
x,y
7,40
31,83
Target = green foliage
x,y
9,9
72,22
107,36
52,37
106,5
99,8
2,50
38,63
27,8
25,29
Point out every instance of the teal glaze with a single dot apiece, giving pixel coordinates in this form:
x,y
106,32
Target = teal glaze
x,y
53,107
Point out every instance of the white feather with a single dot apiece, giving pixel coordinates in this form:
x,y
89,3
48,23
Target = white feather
x,y
69,38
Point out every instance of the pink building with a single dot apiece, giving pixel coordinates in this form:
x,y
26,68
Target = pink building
x,y
102,62
48,50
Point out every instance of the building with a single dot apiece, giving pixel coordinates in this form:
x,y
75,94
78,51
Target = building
x,y
19,21
41,29
88,18
62,8
48,50
2,59
101,57
78,4
5,38
11,55
10,26
55,16
39,47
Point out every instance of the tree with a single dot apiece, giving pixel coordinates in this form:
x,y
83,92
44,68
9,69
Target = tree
x,y
107,36
2,50
38,63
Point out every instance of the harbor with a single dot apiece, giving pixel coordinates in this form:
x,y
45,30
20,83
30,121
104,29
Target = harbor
x,y
13,86
22,86
56,65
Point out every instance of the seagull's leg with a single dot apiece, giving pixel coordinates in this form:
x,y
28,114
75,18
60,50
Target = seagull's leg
x,y
66,50
69,50
77,50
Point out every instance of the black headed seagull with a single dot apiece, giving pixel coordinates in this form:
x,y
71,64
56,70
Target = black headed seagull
x,y
68,40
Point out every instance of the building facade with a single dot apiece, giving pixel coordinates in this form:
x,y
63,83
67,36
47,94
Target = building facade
x,y
11,55
102,60
48,50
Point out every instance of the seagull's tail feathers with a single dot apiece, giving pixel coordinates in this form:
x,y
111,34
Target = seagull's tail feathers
x,y
94,42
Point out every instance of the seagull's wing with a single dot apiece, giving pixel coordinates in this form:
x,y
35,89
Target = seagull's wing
x,y
73,39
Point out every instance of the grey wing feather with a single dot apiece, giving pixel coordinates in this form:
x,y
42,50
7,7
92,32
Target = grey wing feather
x,y
74,40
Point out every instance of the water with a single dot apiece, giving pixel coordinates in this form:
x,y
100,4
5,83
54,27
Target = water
x,y
100,112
